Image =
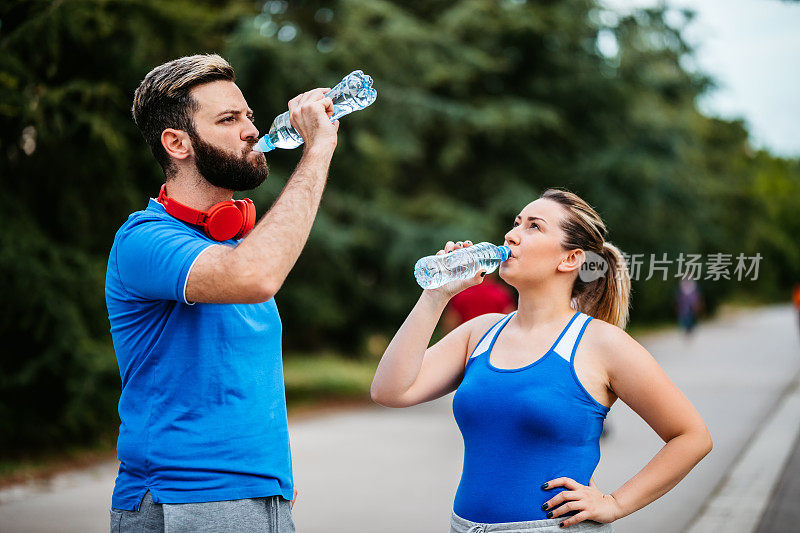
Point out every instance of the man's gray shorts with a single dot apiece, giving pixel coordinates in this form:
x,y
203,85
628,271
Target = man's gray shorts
x,y
269,515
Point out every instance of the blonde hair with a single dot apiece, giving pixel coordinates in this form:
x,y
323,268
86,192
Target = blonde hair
x,y
163,99
608,297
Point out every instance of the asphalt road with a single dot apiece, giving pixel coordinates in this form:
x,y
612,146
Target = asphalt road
x,y
382,470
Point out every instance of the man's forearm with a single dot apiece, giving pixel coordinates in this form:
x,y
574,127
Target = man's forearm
x,y
273,246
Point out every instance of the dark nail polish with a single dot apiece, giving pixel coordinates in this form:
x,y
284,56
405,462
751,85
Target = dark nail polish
x,y
544,486
550,514
483,274
544,507
561,524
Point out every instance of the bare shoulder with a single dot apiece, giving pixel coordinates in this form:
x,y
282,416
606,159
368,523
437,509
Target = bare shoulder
x,y
612,346
481,324
478,327
604,336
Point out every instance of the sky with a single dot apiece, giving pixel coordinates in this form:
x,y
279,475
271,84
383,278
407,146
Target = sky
x,y
752,49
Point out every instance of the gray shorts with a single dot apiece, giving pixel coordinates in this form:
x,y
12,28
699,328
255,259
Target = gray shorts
x,y
462,525
268,515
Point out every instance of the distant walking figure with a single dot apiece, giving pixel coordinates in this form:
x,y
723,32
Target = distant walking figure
x,y
689,303
533,387
796,300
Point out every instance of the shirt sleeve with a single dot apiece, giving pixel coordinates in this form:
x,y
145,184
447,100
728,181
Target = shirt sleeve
x,y
154,259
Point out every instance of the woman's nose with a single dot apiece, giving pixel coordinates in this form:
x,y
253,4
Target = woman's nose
x,y
511,238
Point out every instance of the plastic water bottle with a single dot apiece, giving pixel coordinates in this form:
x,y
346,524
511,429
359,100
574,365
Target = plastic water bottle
x,y
354,92
436,270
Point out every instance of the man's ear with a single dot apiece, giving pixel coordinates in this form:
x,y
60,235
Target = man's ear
x,y
176,143
573,261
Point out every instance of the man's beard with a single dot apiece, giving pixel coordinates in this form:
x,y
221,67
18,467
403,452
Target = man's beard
x,y
225,170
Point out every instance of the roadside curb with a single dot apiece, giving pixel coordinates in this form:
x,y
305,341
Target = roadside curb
x,y
741,498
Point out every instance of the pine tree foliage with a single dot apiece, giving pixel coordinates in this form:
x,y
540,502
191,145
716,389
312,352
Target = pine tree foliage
x,y
482,105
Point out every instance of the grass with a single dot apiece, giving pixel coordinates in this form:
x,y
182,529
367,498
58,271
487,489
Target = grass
x,y
47,463
323,379
315,383
639,330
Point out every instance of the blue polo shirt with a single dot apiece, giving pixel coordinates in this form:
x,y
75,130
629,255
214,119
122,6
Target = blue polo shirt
x,y
203,406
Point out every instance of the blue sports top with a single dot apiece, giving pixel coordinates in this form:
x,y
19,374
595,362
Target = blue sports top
x,y
202,406
522,427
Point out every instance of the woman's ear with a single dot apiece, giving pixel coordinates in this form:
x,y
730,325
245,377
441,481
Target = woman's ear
x,y
573,261
176,143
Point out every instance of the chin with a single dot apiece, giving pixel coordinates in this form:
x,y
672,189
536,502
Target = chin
x,y
515,277
502,273
260,161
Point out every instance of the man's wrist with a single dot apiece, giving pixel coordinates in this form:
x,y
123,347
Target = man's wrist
x,y
319,149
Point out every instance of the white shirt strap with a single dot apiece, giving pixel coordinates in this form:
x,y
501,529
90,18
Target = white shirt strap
x,y
488,337
567,343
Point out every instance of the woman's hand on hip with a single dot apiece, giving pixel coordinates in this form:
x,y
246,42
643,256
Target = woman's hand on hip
x,y
591,503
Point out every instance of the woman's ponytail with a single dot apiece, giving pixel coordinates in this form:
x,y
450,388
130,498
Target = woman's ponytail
x,y
614,306
607,297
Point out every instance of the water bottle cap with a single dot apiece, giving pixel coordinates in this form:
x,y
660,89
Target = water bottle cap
x,y
264,145
505,252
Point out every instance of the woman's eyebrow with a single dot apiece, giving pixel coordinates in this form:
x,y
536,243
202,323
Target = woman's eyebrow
x,y
530,219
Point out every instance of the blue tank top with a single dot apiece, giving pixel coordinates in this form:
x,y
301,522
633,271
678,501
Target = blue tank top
x,y
522,427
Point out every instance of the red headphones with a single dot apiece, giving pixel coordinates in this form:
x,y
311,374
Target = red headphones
x,y
231,219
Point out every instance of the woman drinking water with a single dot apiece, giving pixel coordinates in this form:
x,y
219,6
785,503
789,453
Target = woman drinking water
x,y
533,387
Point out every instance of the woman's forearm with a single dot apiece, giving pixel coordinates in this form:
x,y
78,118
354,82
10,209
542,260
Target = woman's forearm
x,y
402,360
670,465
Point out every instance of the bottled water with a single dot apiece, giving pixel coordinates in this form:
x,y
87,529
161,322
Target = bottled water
x,y
354,92
435,270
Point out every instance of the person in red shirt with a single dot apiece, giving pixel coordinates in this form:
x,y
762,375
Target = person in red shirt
x,y
796,298
491,296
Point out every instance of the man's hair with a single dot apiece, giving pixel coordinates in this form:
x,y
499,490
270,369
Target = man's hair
x,y
163,99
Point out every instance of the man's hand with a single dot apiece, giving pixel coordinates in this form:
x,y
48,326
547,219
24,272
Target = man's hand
x,y
310,114
291,503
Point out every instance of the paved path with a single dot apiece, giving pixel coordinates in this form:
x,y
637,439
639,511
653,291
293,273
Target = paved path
x,y
381,470
750,485
783,512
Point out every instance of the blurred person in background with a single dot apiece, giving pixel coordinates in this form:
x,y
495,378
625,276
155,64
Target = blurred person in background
x,y
533,387
796,300
688,303
489,296
203,444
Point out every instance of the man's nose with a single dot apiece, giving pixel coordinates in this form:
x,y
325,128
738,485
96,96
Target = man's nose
x,y
250,133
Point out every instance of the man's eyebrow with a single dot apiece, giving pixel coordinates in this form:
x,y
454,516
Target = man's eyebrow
x,y
233,112
530,219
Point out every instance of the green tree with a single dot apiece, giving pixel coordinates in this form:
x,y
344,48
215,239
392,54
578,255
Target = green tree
x,y
73,166
482,104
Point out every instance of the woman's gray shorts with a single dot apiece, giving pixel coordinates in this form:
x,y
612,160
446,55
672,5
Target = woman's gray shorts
x,y
462,525
267,515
